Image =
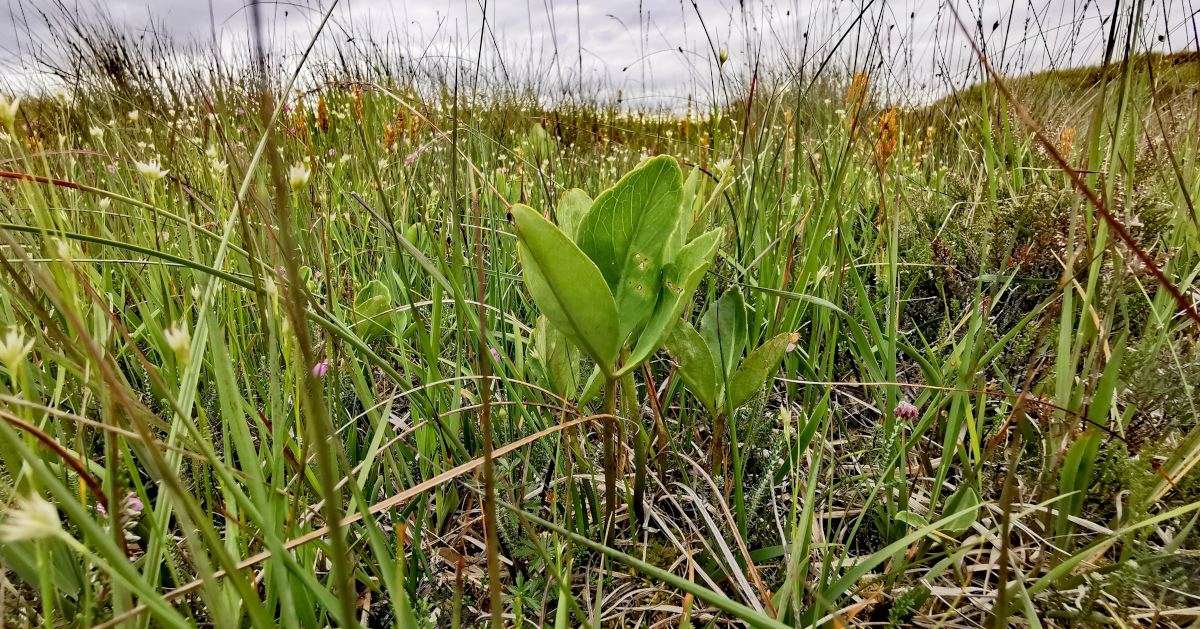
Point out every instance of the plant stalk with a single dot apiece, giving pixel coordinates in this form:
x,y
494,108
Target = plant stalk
x,y
610,458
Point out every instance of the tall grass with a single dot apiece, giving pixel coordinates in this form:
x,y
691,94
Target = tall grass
x,y
298,379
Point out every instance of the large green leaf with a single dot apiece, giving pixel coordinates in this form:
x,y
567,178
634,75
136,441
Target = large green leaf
x,y
695,361
757,367
965,499
691,186
626,232
572,207
559,359
568,287
680,280
724,329
371,308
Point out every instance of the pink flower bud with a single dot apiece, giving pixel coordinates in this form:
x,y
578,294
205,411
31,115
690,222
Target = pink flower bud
x,y
496,354
320,369
904,410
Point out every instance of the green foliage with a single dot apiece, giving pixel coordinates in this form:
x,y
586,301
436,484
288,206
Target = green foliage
x,y
568,286
373,311
712,357
626,235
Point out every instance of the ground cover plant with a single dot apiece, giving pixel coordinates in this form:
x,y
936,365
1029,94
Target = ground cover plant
x,y
378,354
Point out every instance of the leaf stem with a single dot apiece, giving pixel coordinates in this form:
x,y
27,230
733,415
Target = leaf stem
x,y
610,462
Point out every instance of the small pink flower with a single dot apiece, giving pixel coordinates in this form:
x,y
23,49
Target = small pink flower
x,y
132,506
904,410
333,152
496,354
791,347
287,107
112,169
240,111
320,369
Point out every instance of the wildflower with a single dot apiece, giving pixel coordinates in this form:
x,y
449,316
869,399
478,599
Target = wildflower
x,y
904,410
8,110
320,369
104,203
133,116
1066,141
179,341
239,111
14,348
63,96
96,132
322,115
496,354
723,56
112,169
722,166
298,176
791,347
344,158
195,291
133,506
150,171
34,518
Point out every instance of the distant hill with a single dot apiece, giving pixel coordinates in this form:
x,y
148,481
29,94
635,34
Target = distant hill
x,y
1059,99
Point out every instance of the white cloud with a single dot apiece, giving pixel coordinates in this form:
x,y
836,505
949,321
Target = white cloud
x,y
653,51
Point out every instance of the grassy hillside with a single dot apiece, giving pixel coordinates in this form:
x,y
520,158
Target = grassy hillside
x,y
372,354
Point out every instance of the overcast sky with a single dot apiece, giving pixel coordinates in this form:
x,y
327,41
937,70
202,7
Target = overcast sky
x,y
649,49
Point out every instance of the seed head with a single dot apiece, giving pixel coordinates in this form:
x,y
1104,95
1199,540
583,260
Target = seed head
x,y
179,341
32,519
150,171
298,176
14,348
8,110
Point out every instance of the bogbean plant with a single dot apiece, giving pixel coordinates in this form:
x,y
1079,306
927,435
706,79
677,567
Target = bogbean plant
x,y
710,362
614,276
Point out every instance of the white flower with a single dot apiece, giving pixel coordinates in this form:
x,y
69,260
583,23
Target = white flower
x,y
722,166
14,348
133,116
33,518
96,132
105,202
151,172
343,159
211,152
63,96
180,342
298,176
8,110
195,292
